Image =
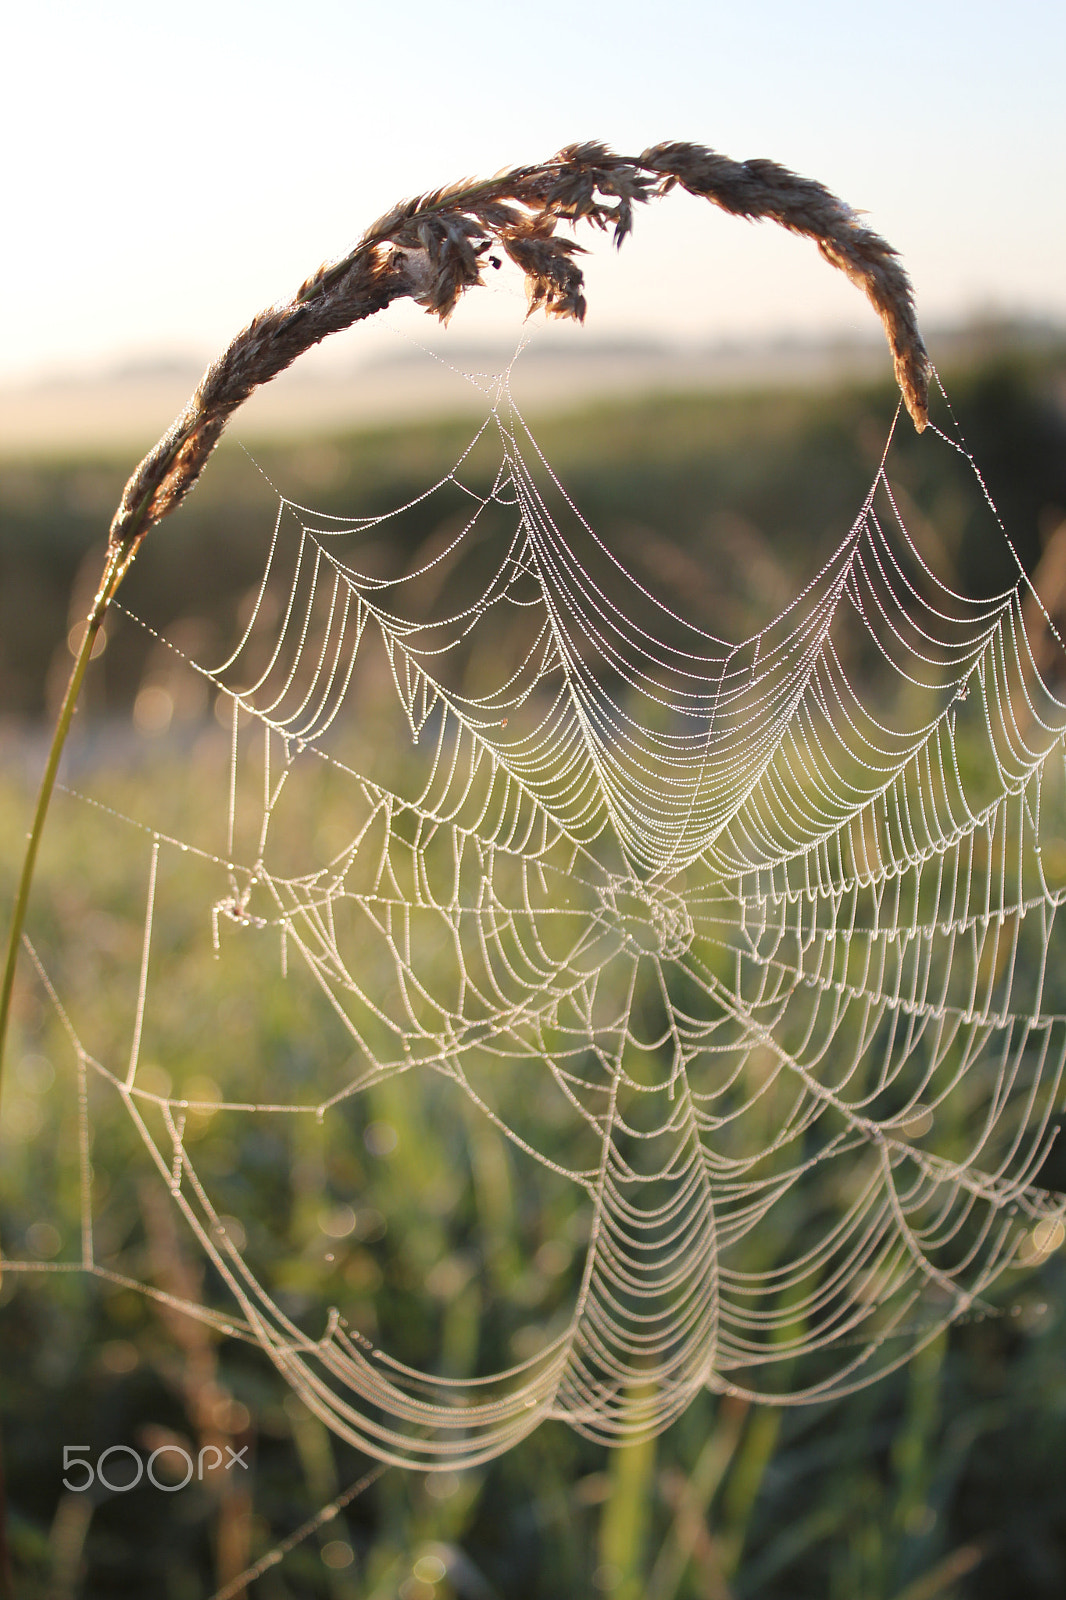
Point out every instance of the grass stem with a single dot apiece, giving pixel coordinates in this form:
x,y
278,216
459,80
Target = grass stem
x,y
114,570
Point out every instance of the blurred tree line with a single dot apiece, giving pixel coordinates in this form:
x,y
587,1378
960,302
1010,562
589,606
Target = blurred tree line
x,y
726,499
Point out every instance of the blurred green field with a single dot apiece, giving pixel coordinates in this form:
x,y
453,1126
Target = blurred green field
x,y
942,1480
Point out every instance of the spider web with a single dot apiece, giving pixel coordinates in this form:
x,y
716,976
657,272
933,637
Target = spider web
x,y
746,947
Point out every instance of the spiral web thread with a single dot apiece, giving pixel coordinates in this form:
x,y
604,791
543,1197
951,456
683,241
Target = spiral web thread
x,y
758,935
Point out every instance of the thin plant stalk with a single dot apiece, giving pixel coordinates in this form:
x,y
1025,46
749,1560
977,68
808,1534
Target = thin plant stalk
x,y
114,571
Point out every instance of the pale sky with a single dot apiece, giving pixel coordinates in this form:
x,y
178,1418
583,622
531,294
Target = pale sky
x,y
170,169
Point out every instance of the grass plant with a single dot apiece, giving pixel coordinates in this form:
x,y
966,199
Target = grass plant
x,y
651,1509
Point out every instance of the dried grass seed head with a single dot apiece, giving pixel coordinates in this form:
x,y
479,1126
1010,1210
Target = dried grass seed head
x,y
432,248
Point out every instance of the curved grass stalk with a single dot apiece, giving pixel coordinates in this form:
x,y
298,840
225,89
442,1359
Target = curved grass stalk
x,y
114,571
432,249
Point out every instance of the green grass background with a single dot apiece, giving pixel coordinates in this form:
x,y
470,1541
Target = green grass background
x,y
943,1480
